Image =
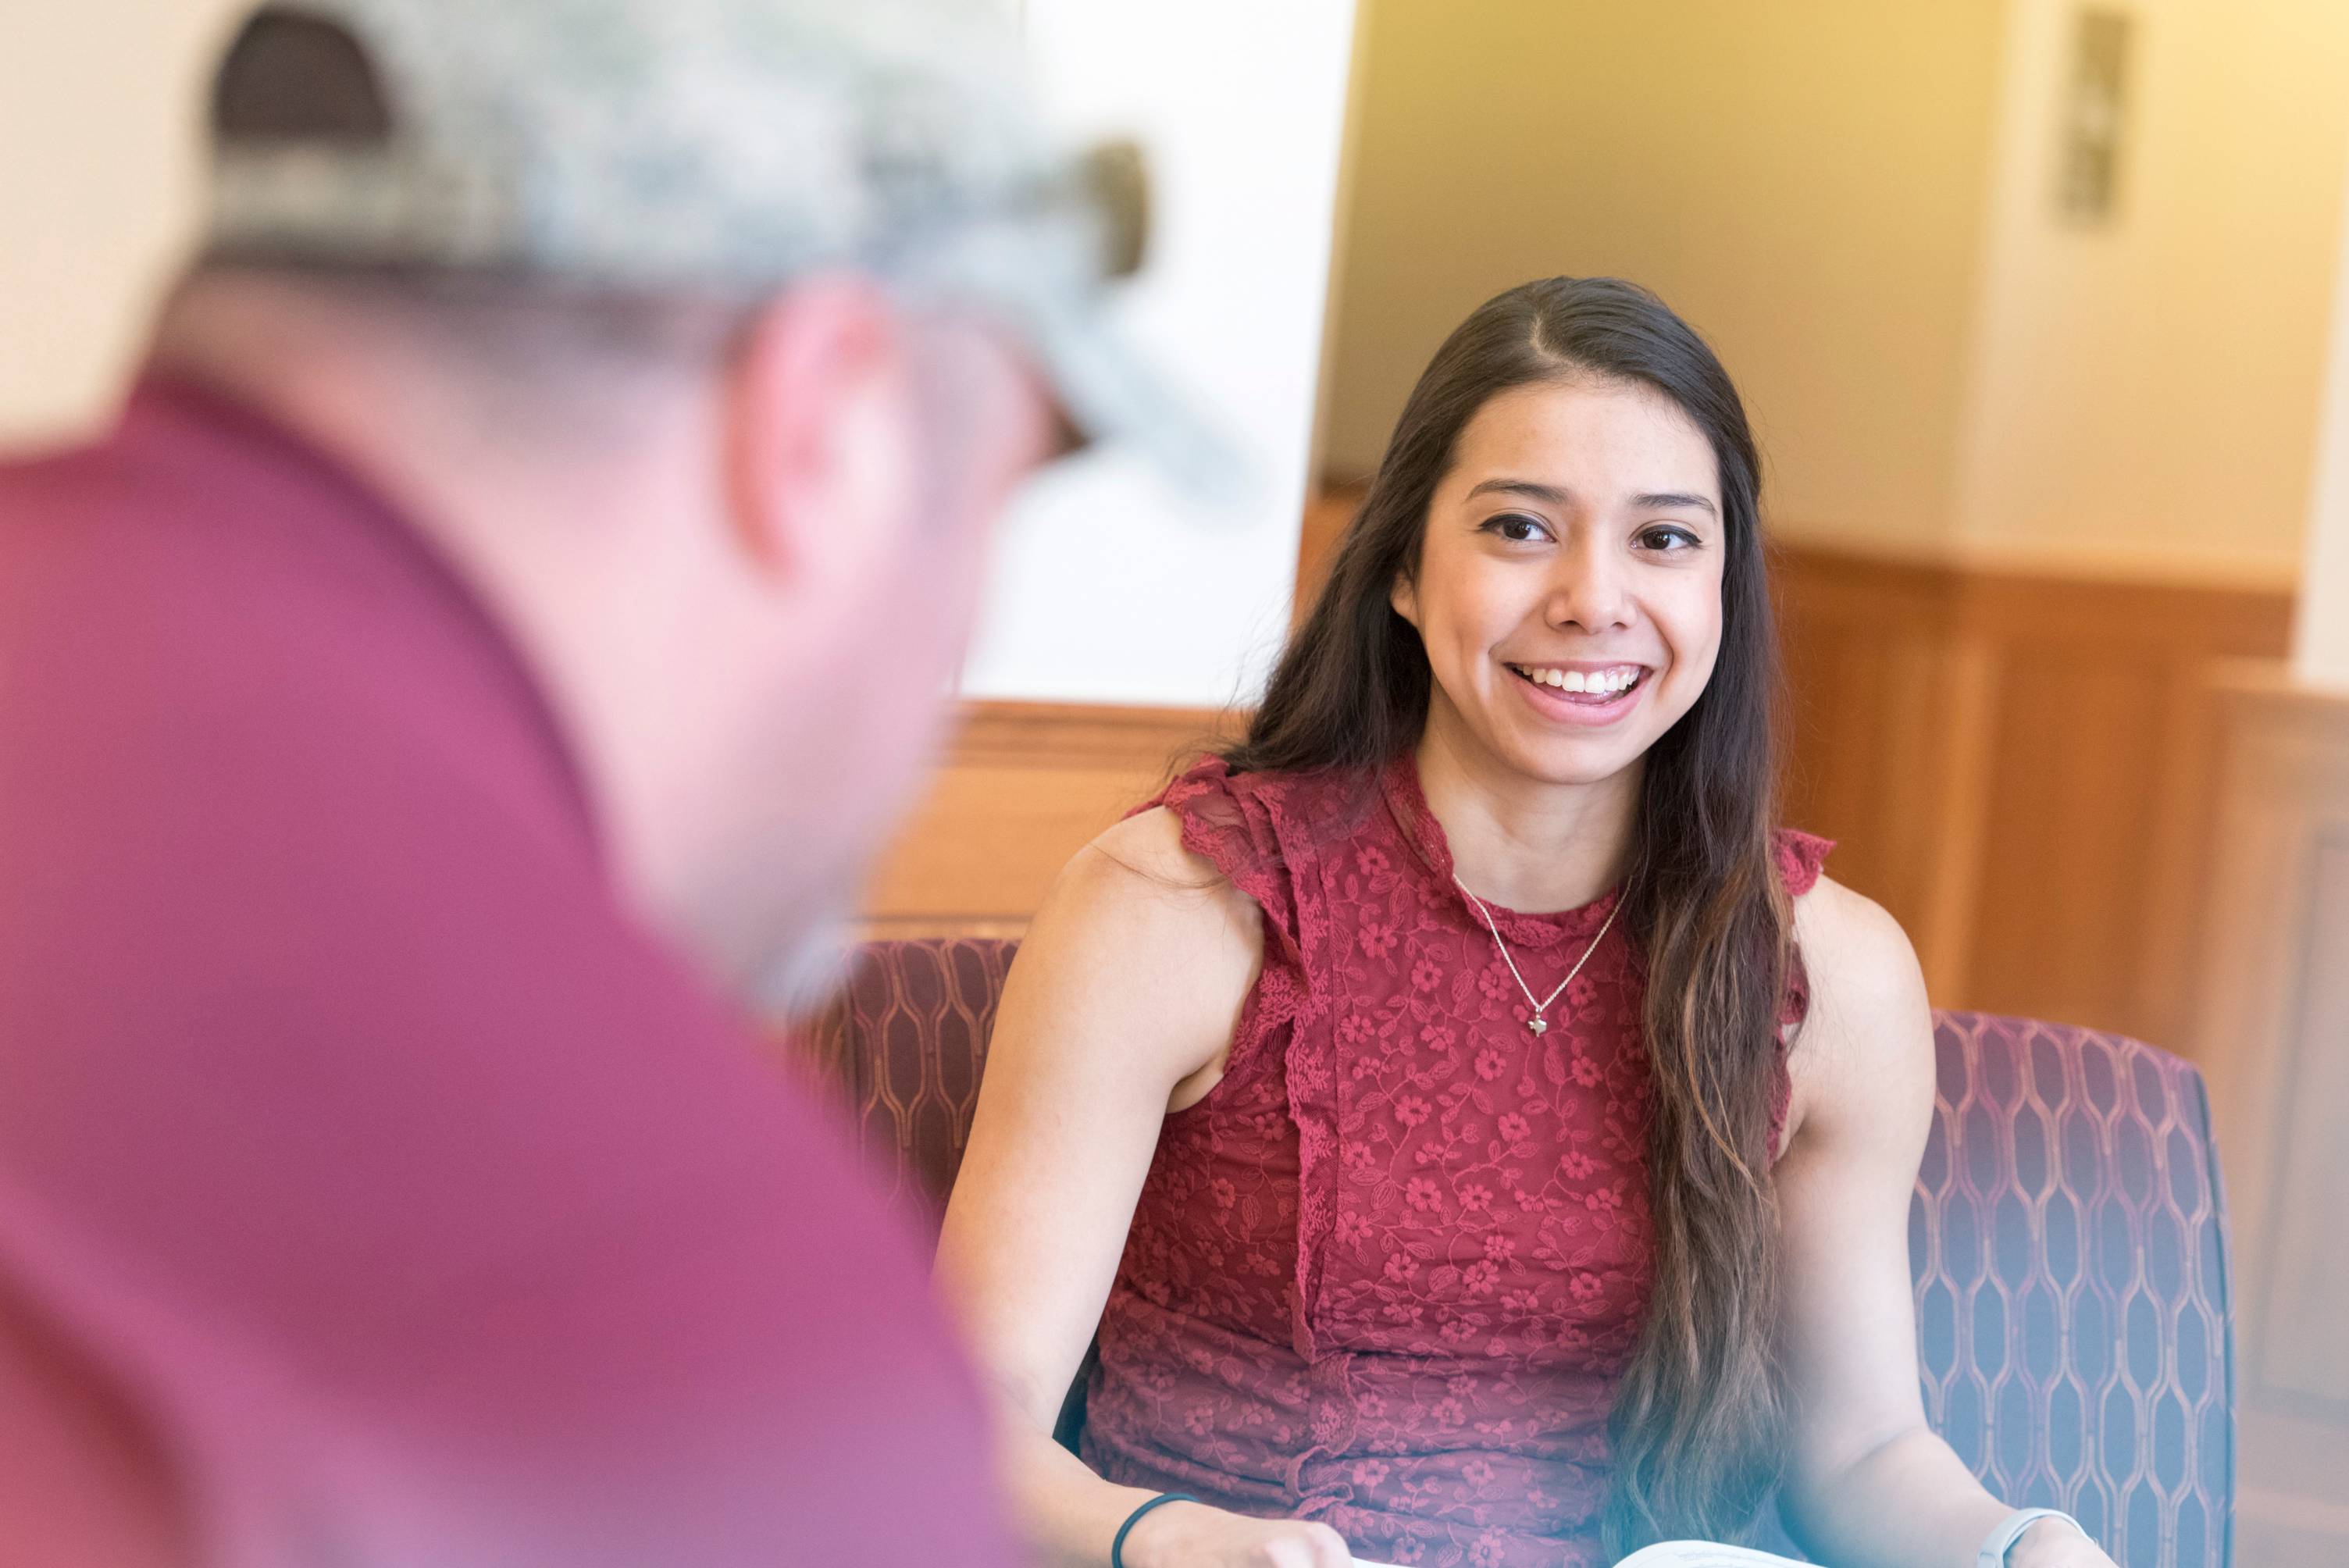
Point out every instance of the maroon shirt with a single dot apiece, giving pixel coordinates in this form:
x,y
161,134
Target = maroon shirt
x,y
419,1207
1389,1273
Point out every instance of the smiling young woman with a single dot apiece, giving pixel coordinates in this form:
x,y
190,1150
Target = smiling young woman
x,y
1478,1132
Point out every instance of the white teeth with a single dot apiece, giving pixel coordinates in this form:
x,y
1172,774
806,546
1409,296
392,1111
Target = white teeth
x,y
1607,683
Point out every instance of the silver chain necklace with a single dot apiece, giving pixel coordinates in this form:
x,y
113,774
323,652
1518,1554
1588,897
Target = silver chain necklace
x,y
1537,1023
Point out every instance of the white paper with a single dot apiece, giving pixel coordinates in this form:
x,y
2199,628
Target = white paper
x,y
1680,1554
1704,1554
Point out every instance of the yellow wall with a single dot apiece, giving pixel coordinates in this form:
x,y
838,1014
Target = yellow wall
x,y
1854,201
2146,395
99,99
2321,640
1804,182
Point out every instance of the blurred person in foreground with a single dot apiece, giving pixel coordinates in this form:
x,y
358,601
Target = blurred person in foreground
x,y
506,617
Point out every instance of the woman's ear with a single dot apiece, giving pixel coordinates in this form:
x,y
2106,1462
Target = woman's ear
x,y
1404,597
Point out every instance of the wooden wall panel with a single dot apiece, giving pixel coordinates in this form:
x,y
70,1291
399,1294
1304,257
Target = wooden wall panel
x,y
2062,884
2019,769
2273,1039
2307,1282
2099,804
1885,748
1022,788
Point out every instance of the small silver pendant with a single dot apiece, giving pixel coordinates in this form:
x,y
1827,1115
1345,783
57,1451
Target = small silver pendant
x,y
1537,1023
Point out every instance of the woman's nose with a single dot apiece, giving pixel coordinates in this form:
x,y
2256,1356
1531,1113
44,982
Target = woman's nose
x,y
1591,592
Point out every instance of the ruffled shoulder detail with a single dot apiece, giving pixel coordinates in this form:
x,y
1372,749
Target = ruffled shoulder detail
x,y
1230,821
1800,857
1255,829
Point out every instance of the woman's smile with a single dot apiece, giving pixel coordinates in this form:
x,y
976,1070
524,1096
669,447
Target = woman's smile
x,y
1583,693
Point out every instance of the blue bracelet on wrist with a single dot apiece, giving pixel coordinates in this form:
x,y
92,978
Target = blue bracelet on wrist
x,y
1117,1547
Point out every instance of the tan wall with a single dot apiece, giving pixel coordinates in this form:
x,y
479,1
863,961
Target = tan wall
x,y
2146,395
1856,200
1806,183
97,100
2321,644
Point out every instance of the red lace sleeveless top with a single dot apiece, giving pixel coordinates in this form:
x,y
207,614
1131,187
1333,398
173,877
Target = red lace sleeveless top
x,y
1389,1272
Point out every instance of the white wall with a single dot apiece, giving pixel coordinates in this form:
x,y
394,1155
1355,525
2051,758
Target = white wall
x,y
100,102
1111,587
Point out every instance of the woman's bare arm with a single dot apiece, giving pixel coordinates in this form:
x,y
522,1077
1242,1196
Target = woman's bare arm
x,y
1120,1009
1869,1484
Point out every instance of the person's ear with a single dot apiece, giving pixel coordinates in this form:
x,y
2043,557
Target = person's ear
x,y
820,433
1404,597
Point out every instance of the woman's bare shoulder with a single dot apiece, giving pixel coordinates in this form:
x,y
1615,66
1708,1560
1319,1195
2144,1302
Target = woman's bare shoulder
x,y
1865,1044
1138,898
1853,948
1150,844
1141,942
1140,869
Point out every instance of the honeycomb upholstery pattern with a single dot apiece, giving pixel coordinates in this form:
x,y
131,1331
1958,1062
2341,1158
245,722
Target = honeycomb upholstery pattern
x,y
902,1045
2067,1239
2069,1245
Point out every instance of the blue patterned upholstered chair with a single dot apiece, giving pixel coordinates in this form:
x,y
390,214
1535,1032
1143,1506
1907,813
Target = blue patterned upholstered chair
x,y
2068,1240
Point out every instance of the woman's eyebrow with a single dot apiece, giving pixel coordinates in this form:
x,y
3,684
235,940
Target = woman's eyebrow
x,y
1553,495
1550,494
1666,500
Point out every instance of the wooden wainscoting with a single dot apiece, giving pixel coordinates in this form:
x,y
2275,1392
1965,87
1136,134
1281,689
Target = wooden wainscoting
x,y
2273,1038
2019,767
1024,786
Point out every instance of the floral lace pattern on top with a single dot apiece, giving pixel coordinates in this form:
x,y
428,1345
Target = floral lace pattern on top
x,y
1388,1273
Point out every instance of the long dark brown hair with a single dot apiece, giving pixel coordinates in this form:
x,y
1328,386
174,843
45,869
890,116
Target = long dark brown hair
x,y
1697,1422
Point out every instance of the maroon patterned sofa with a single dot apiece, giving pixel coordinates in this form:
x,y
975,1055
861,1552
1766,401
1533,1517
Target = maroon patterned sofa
x,y
2068,1240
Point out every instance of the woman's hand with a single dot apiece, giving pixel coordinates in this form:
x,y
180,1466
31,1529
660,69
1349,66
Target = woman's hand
x,y
2053,1544
1194,1535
